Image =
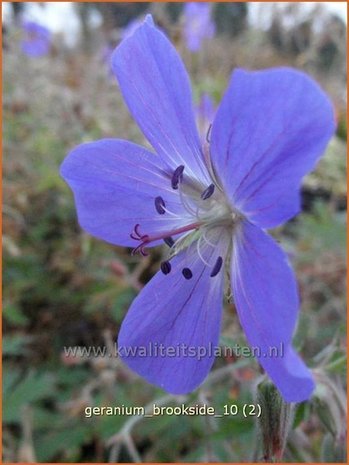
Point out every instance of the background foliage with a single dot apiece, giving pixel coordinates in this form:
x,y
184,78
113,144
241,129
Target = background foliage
x,y
64,288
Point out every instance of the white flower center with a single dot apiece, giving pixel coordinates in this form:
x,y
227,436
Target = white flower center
x,y
208,213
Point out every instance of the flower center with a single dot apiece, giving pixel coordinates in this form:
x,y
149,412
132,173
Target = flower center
x,y
208,209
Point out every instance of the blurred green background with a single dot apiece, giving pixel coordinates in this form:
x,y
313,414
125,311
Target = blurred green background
x,y
62,287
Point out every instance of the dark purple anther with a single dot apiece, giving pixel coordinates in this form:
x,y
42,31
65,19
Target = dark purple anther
x,y
217,267
208,192
169,241
165,267
177,176
160,205
186,272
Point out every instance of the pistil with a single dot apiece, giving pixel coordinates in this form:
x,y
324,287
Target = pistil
x,y
147,239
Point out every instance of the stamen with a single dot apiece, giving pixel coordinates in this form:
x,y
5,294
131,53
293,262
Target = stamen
x,y
186,204
186,272
208,134
169,241
217,267
208,192
204,236
160,205
166,210
198,245
177,176
165,267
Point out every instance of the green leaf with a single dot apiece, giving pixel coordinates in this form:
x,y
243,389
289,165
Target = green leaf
x,y
121,304
62,441
15,345
337,364
301,414
13,315
32,388
10,377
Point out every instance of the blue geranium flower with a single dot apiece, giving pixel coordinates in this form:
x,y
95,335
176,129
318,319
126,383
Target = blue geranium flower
x,y
37,42
198,24
210,206
130,28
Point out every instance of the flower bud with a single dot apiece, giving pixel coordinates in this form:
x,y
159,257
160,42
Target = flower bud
x,y
274,422
333,450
